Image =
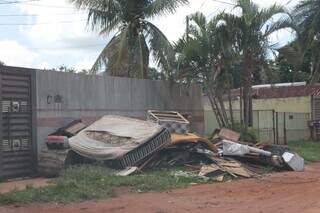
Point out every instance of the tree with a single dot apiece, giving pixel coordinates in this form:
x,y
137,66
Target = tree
x,y
308,18
64,68
1,63
292,65
127,53
253,28
204,56
154,74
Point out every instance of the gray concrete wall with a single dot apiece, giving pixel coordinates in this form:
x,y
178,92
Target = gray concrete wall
x,y
90,97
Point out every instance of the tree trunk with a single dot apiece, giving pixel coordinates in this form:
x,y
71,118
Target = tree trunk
x,y
214,109
223,110
241,105
247,113
316,73
230,108
218,106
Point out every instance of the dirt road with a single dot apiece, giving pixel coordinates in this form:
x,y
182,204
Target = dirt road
x,y
280,192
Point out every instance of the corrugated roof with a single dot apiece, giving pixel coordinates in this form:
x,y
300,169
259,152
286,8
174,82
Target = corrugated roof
x,y
282,91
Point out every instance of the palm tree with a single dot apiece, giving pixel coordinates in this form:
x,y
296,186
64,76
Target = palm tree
x,y
253,28
203,57
296,51
127,53
308,16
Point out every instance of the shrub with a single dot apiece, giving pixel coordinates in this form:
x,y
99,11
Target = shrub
x,y
249,135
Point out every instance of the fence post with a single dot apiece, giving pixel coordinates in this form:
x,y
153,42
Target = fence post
x,y
273,128
277,127
285,128
258,124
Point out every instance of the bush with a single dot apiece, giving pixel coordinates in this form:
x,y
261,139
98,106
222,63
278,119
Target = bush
x,y
249,135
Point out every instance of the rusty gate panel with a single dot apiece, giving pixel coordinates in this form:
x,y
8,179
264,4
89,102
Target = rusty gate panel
x,y
17,157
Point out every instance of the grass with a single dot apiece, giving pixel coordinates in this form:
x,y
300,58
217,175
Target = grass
x,y
95,182
309,150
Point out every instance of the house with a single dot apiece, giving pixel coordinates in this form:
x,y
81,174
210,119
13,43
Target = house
x,y
277,108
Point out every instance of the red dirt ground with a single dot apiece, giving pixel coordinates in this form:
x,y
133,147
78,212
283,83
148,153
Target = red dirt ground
x,y
22,184
278,192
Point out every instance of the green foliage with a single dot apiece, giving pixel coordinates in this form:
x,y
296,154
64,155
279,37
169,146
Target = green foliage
x,y
95,182
127,53
154,74
303,52
249,135
64,68
309,150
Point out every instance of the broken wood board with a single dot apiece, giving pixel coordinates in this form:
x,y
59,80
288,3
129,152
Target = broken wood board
x,y
232,167
207,169
229,134
236,168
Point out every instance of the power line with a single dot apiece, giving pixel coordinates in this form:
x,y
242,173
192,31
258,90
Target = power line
x,y
68,47
224,2
35,15
43,23
204,1
27,2
17,2
52,6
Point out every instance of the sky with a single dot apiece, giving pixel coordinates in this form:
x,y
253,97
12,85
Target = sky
x,y
45,34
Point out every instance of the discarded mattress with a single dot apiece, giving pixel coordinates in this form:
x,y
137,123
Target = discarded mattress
x,y
115,137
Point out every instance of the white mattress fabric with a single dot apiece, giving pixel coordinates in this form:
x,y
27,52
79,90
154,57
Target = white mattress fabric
x,y
131,132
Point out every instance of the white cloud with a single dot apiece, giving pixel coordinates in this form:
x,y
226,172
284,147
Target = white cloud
x,y
56,13
58,37
43,65
173,26
14,54
85,63
69,41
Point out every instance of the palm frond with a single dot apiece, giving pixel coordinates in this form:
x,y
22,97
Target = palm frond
x,y
163,7
199,19
293,54
160,47
103,56
143,56
122,50
267,13
104,15
272,27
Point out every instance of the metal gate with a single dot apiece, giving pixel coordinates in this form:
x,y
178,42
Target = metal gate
x,y
18,147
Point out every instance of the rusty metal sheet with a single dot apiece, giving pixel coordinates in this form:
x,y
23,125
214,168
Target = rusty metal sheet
x,y
17,157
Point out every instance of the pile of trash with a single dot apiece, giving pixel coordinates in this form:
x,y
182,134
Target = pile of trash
x,y
163,140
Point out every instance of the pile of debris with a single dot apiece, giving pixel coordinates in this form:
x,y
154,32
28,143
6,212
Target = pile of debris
x,y
162,140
